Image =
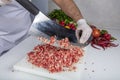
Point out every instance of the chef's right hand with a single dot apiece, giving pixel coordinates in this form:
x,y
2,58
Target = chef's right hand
x,y
86,31
4,2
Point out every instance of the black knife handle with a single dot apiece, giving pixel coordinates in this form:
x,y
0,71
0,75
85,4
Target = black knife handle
x,y
29,6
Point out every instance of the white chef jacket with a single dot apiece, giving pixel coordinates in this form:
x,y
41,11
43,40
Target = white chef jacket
x,y
15,22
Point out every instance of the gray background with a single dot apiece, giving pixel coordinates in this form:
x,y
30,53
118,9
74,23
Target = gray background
x,y
102,13
42,5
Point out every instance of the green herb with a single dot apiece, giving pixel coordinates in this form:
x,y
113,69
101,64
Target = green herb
x,y
59,15
61,18
103,32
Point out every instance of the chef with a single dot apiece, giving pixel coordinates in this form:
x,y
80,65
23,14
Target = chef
x,y
15,22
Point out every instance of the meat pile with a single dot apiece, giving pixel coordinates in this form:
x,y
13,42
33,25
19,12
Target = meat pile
x,y
55,59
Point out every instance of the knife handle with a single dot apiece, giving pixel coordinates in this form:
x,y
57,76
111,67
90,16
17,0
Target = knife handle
x,y
29,6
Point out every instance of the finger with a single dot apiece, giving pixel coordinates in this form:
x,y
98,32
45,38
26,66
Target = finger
x,y
1,2
6,1
77,34
85,37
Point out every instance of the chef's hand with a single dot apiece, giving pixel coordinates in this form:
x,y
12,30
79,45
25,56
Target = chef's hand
x,y
4,2
86,31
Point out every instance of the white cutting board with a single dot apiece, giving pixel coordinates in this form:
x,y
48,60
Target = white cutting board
x,y
25,66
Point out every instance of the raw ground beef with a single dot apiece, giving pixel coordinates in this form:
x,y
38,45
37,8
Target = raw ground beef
x,y
55,59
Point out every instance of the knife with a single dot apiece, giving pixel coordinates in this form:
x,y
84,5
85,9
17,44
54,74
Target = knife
x,y
48,26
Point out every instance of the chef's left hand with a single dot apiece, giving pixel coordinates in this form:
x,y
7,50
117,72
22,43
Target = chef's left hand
x,y
4,2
